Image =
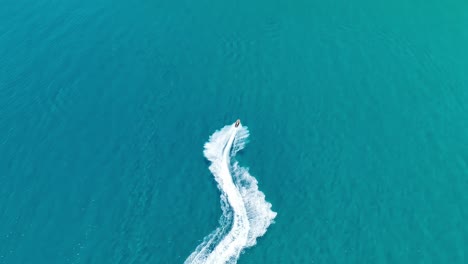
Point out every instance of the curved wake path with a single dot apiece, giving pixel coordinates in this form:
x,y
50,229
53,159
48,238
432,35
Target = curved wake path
x,y
246,214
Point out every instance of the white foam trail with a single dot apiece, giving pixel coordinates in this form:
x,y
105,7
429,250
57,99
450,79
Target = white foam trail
x,y
246,214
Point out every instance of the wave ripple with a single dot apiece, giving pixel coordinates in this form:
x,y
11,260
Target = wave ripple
x,y
246,213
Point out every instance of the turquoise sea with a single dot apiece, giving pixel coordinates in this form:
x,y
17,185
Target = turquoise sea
x,y
357,112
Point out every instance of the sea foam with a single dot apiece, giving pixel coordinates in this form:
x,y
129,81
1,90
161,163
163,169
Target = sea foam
x,y
246,213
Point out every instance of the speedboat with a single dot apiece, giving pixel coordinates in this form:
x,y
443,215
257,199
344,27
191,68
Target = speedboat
x,y
237,123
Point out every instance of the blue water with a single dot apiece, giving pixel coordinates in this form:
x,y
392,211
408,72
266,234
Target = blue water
x,y
357,113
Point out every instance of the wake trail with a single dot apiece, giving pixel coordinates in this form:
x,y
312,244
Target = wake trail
x,y
246,213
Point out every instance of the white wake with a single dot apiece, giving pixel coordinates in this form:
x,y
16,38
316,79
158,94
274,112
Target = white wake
x,y
246,213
